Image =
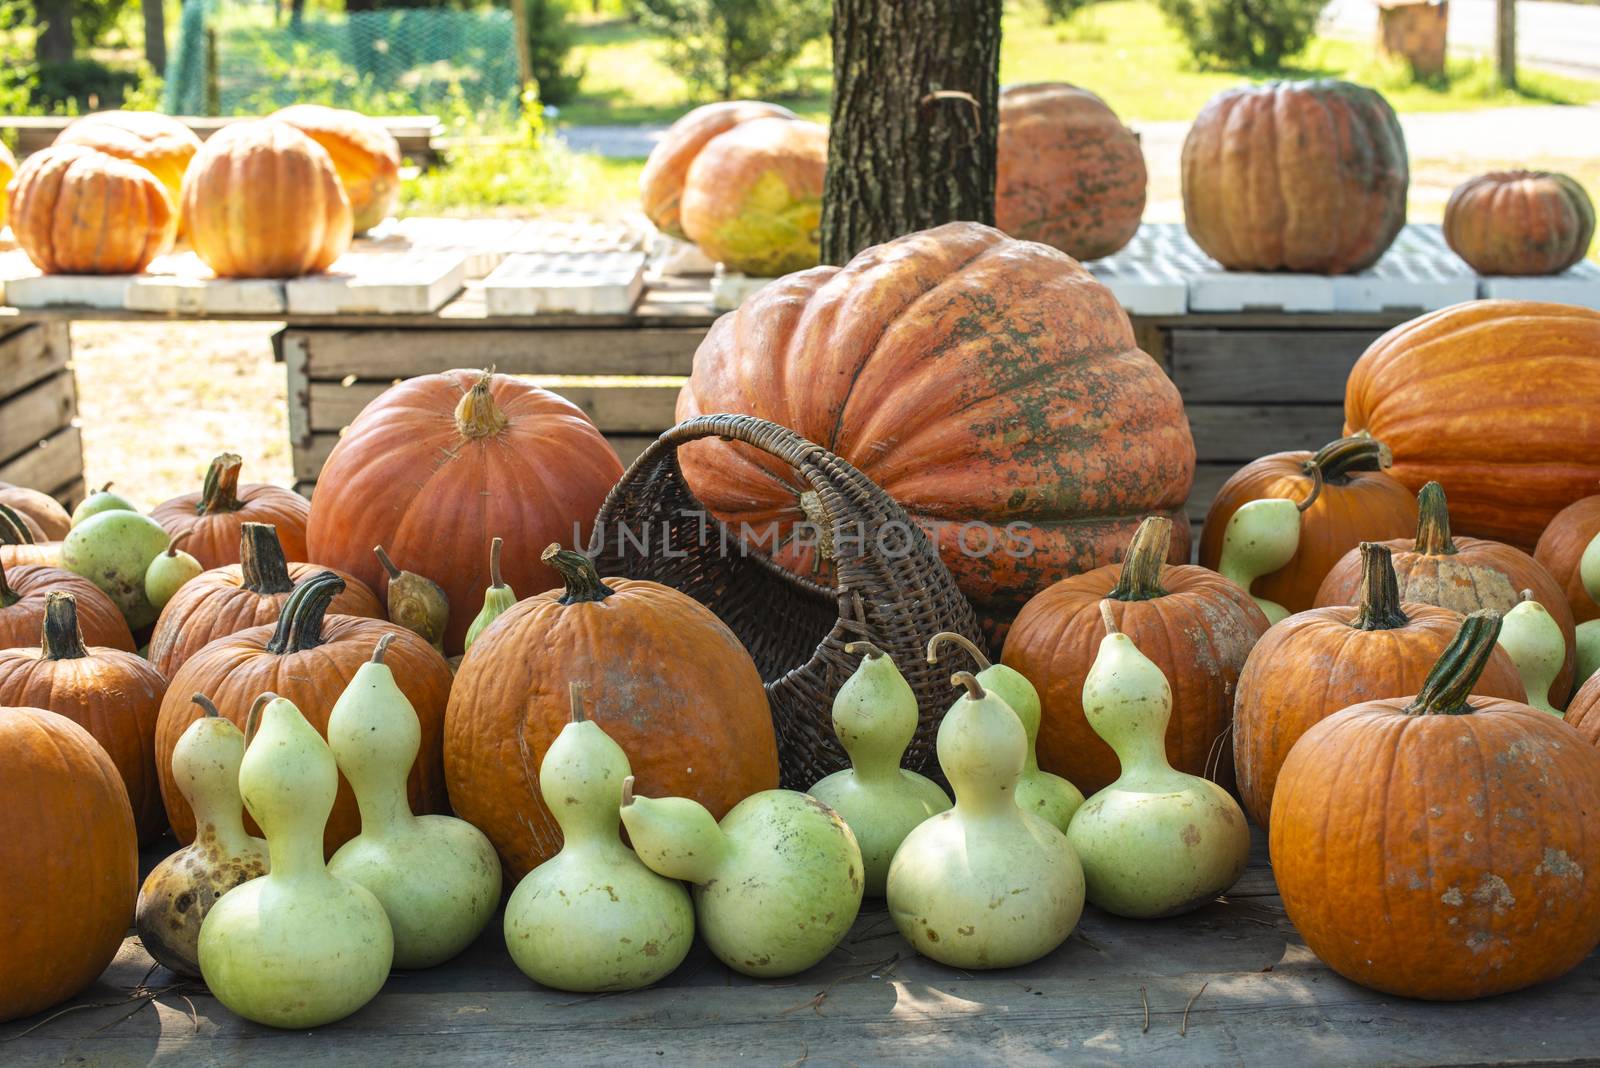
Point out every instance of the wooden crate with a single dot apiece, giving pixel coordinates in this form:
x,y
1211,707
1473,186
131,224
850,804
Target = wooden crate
x,y
39,446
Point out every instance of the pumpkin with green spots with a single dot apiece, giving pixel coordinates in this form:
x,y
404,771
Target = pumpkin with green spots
x,y
752,199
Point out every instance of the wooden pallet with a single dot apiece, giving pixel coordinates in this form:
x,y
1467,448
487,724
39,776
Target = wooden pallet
x,y
39,446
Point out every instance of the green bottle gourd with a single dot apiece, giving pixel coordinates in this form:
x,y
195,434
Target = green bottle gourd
x,y
593,917
179,892
101,500
416,603
1157,841
496,599
169,571
437,877
297,947
1048,796
1588,660
1538,648
776,885
113,550
1261,537
874,717
986,884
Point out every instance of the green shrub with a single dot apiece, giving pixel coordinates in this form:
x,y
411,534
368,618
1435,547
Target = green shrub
x,y
1253,34
729,47
1062,10
83,85
550,40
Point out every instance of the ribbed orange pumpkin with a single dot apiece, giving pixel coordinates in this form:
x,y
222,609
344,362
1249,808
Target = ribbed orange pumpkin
x,y
1331,205
1070,174
159,143
1584,711
984,383
365,154
1497,400
1358,501
667,680
114,695
20,545
309,657
1441,848
214,517
235,597
262,200
1196,625
439,466
78,211
1561,548
1464,574
1519,222
1316,663
42,512
661,181
23,593
8,169
70,858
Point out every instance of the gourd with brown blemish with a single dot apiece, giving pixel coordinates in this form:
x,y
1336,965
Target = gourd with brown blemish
x,y
416,602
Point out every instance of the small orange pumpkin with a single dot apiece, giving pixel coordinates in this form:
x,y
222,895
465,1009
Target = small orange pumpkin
x,y
364,153
1519,222
78,211
214,517
24,590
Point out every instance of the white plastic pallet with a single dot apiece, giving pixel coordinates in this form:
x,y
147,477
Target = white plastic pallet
x,y
672,258
1150,275
729,289
182,284
14,264
1418,272
386,283
1578,285
583,283
81,290
487,242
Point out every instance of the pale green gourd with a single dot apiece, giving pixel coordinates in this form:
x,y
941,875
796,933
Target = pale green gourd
x,y
414,601
1261,537
297,947
1588,659
593,917
984,885
101,500
1156,842
776,885
496,599
113,550
169,571
874,718
179,891
437,877
1538,648
1050,797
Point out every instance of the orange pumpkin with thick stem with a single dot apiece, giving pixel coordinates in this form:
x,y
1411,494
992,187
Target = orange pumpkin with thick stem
x,y
1196,625
43,513
70,857
1561,548
1319,662
1497,400
661,181
114,695
666,679
1583,713
24,591
1359,501
308,657
78,211
364,153
1438,846
159,143
1463,574
251,593
992,387
215,515
439,466
1519,222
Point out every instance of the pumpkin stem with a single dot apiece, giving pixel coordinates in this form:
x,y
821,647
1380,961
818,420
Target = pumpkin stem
x,y
13,531
1433,522
577,571
970,681
382,648
495,548
1337,459
388,564
1107,618
8,596
63,640
300,626
477,415
1147,555
252,720
575,699
866,649
1456,672
967,645
1379,606
221,490
206,707
261,562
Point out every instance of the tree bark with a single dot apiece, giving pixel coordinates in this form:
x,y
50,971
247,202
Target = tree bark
x,y
1506,41
54,44
915,119
155,34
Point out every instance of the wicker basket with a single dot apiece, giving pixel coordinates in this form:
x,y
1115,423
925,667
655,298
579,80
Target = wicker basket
x,y
892,588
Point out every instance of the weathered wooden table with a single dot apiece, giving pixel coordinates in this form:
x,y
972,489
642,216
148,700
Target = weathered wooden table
x,y
1229,984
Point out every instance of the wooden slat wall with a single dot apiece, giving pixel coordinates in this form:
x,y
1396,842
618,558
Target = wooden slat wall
x,y
39,446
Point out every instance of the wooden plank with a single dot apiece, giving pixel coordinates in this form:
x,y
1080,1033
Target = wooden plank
x,y
1208,479
30,352
415,133
36,413
1238,433
56,461
403,353
621,407
1276,366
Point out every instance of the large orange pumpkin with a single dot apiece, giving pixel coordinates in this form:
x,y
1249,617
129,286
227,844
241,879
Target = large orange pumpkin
x,y
1196,625
70,858
1560,550
78,211
1498,400
114,695
235,597
991,386
667,680
1330,204
24,590
1316,663
1069,173
439,466
262,200
661,181
1519,222
308,657
159,143
41,512
1439,847
1358,501
364,153
1584,711
215,515
752,198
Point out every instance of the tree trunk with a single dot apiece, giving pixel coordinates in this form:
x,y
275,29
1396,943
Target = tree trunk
x,y
915,119
54,44
155,34
1506,41
524,42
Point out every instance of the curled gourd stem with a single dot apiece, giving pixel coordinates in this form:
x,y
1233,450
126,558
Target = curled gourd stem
x,y
207,708
865,648
1107,618
577,572
13,531
1444,692
177,540
974,688
967,645
382,648
1525,595
1140,578
221,490
575,699
1433,522
383,559
627,791
1316,490
8,596
106,488
252,721
495,548
62,639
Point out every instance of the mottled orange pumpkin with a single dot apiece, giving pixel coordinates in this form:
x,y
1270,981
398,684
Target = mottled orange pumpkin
x,y
364,153
24,590
1519,222
215,515
1069,173
1439,847
661,181
1560,550
159,143
78,211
